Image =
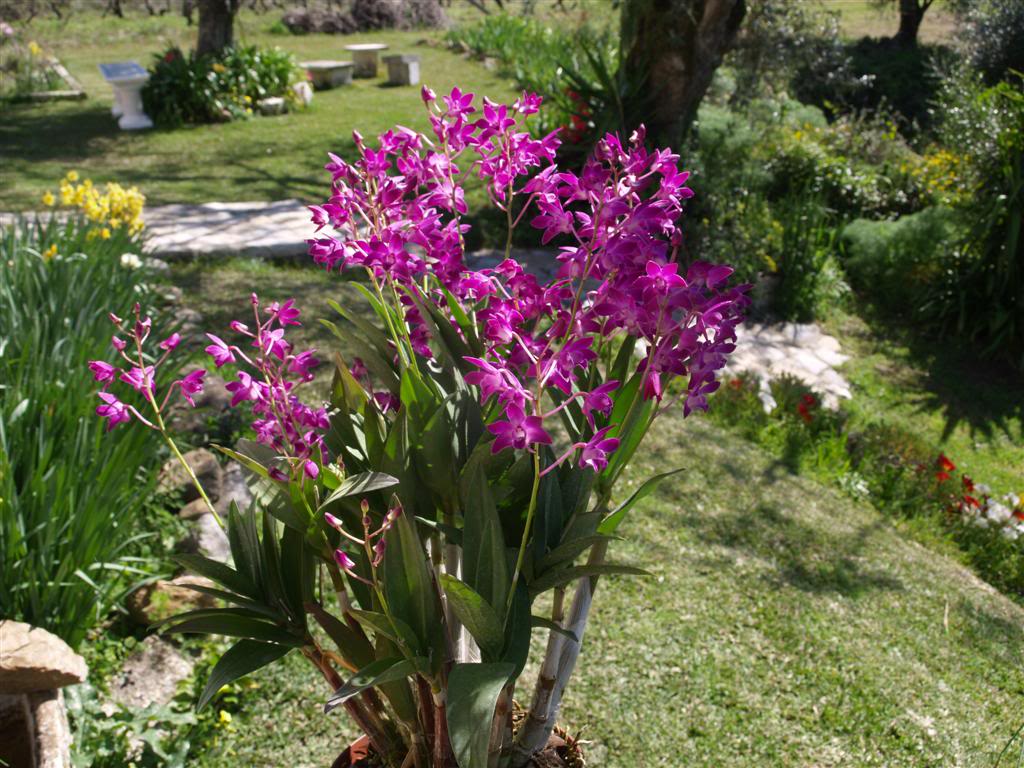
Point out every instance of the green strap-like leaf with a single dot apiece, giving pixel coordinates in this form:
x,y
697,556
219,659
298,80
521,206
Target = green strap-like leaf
x,y
539,622
360,485
239,660
610,523
557,578
476,615
473,691
381,671
216,571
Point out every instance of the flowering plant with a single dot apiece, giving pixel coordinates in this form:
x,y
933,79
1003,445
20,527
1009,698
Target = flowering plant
x,y
107,210
469,456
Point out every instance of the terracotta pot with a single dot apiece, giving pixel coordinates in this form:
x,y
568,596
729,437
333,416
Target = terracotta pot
x,y
356,752
359,750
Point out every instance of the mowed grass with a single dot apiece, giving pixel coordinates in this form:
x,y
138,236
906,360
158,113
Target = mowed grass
x,y
941,393
257,159
784,624
868,18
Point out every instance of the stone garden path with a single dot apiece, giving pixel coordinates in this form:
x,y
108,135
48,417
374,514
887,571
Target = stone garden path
x,y
279,229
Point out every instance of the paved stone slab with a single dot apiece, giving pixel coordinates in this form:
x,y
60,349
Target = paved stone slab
x,y
801,350
260,230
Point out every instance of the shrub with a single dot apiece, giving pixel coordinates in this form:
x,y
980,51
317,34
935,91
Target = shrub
x,y
984,297
185,88
70,501
898,264
994,37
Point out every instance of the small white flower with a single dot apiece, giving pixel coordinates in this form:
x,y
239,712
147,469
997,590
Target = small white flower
x,y
998,513
130,261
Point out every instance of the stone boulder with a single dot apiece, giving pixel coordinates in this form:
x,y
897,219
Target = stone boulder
x,y
174,478
151,675
36,660
163,599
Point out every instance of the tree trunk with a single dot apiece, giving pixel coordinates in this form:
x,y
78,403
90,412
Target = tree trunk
x,y
911,13
671,49
216,25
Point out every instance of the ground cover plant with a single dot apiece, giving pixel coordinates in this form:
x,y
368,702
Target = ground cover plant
x,y
70,502
186,88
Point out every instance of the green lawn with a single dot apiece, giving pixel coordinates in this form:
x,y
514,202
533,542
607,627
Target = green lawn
x,y
257,159
868,18
972,410
785,624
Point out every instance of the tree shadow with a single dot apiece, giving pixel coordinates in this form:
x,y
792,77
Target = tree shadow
x,y
48,132
809,558
984,395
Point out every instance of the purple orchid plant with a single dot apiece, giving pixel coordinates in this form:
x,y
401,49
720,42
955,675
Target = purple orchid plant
x,y
468,458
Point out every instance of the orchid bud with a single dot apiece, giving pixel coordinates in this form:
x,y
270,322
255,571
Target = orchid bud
x,y
311,469
239,327
114,319
278,475
332,521
427,95
364,507
344,561
119,344
171,342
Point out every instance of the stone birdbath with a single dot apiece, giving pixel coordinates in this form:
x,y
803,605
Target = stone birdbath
x,y
127,79
365,57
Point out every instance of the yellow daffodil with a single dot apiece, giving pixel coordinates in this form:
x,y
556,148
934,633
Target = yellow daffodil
x,y
72,176
34,49
50,252
219,68
224,717
48,199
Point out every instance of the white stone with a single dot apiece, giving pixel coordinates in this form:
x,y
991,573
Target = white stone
x,y
365,56
403,69
273,105
212,541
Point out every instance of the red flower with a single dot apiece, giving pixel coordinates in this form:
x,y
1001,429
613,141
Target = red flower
x,y
971,501
809,400
1019,513
170,56
736,384
805,414
968,483
942,476
945,464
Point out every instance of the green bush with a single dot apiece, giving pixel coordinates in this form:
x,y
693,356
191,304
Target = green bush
x,y
70,500
984,298
185,88
899,264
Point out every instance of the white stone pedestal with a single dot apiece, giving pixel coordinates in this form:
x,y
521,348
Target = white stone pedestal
x,y
127,79
328,74
365,56
403,69
128,96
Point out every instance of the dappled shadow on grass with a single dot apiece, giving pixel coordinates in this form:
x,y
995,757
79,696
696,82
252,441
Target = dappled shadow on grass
x,y
984,395
806,557
55,131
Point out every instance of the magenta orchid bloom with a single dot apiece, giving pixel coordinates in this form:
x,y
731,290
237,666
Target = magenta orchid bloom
x,y
518,431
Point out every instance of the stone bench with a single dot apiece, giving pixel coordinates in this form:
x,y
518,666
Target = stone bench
x,y
403,69
328,74
127,79
365,56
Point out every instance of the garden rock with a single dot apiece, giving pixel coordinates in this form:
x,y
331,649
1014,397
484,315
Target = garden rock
x,y
194,510
211,541
32,659
303,21
803,351
163,599
151,675
273,105
52,733
234,489
174,479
